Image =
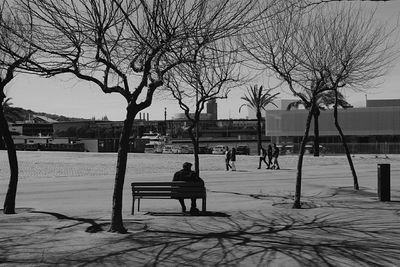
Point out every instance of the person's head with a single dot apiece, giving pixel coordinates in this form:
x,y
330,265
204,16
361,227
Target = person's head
x,y
274,144
187,166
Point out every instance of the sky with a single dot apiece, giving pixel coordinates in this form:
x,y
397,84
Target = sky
x,y
71,97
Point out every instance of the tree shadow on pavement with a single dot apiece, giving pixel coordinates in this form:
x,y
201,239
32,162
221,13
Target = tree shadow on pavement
x,y
93,228
275,237
259,239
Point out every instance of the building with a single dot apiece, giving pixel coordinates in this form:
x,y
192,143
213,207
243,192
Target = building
x,y
376,126
36,126
182,116
378,123
212,109
373,103
211,114
107,133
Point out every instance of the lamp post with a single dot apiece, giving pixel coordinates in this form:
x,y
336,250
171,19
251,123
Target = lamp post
x,y
165,121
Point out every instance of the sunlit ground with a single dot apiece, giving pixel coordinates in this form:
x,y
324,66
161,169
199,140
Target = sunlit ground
x,y
64,207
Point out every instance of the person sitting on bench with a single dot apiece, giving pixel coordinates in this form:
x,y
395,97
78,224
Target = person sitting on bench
x,y
187,175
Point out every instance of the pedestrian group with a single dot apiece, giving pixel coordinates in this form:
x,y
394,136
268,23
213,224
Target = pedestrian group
x,y
272,152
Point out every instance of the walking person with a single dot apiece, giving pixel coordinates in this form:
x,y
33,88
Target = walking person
x,y
227,158
233,159
275,155
269,155
263,155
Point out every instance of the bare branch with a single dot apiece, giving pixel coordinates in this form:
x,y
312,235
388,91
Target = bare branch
x,y
129,47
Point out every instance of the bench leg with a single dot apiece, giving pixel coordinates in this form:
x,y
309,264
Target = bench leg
x,y
203,204
138,204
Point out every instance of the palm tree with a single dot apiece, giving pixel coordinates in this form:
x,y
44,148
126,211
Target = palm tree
x,y
7,103
258,98
323,101
10,113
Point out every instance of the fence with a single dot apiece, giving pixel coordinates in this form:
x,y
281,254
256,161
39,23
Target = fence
x,y
355,148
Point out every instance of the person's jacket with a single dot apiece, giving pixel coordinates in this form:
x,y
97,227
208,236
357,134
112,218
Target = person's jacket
x,y
269,152
276,152
187,176
233,155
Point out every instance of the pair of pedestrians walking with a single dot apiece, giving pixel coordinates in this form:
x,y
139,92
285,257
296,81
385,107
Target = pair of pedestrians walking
x,y
230,159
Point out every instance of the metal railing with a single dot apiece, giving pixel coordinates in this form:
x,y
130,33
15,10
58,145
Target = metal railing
x,y
355,148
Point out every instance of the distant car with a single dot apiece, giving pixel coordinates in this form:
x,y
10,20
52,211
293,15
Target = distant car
x,y
309,148
289,149
205,150
242,150
186,149
153,147
176,150
219,149
167,149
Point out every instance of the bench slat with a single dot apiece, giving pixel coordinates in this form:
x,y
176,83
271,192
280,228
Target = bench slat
x,y
169,189
150,194
169,194
185,184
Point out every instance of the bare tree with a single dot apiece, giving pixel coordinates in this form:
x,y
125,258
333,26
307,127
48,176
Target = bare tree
x,y
13,54
321,50
311,3
362,51
211,74
127,47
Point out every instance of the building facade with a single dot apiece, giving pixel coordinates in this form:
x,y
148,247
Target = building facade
x,y
360,125
371,129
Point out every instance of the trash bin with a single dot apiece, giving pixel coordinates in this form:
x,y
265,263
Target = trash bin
x,y
384,182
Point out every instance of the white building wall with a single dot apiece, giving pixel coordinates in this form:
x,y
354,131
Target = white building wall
x,y
354,121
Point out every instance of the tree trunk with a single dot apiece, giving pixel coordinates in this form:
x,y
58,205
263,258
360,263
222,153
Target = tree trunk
x,y
297,203
342,137
316,132
9,202
116,217
259,140
195,141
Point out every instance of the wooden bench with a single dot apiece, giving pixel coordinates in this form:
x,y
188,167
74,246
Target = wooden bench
x,y
167,190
